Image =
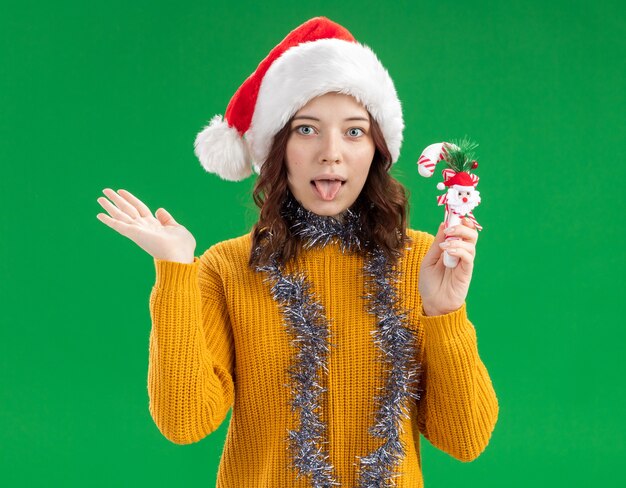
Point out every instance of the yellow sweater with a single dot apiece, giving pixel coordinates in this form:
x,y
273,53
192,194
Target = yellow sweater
x,y
218,341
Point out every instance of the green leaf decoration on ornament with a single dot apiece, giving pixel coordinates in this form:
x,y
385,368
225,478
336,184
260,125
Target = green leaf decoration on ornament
x,y
461,159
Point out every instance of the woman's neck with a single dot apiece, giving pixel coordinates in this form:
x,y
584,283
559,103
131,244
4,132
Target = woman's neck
x,y
317,229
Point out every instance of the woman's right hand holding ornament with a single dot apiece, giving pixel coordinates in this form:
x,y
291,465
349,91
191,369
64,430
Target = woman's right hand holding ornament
x,y
159,235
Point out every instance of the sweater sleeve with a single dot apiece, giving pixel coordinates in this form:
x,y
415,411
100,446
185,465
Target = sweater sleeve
x,y
191,358
458,409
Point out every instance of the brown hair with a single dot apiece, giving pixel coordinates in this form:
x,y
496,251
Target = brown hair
x,y
383,204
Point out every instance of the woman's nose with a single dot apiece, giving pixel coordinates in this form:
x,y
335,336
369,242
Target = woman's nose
x,y
331,148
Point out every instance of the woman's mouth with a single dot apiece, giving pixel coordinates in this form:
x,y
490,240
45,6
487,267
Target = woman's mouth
x,y
327,189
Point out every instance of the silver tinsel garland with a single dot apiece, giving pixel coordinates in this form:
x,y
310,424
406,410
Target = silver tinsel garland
x,y
306,322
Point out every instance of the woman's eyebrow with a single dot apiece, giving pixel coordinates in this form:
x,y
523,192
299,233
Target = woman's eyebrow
x,y
316,119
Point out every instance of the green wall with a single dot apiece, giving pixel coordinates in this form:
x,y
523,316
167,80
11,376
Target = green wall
x,y
112,94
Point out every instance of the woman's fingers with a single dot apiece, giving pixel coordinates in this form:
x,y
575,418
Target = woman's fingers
x,y
467,259
127,230
462,230
165,217
460,244
114,211
122,204
141,207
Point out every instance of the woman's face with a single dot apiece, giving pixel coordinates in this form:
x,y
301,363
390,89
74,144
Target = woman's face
x,y
329,153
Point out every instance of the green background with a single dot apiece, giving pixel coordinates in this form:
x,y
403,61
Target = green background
x,y
112,95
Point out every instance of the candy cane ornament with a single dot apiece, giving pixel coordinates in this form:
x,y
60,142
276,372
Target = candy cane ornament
x,y
431,156
461,196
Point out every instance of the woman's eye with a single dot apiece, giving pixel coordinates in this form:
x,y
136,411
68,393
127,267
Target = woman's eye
x,y
302,128
352,131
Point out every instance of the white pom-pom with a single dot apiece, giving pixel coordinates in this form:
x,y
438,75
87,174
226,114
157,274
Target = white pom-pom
x,y
221,150
441,186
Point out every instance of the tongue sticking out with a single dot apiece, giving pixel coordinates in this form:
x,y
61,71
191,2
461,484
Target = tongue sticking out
x,y
327,188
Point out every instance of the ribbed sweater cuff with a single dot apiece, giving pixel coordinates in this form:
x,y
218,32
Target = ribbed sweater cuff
x,y
446,327
171,275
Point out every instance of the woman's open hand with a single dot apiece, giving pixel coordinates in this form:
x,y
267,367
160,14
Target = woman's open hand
x,y
160,235
443,290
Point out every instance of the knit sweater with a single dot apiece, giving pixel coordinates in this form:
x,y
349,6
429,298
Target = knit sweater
x,y
218,342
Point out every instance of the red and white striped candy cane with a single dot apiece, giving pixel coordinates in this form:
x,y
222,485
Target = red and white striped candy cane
x,y
431,156
426,166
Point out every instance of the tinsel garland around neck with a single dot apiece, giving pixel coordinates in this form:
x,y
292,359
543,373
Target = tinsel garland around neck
x,y
307,324
319,230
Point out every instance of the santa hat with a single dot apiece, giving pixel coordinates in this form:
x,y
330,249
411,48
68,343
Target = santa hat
x,y
463,180
318,57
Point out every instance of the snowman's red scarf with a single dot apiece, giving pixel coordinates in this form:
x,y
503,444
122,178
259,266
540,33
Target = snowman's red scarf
x,y
305,320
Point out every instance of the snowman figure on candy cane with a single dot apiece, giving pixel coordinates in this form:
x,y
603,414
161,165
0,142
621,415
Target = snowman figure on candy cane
x,y
461,196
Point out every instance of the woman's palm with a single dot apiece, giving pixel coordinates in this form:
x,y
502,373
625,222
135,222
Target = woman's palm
x,y
159,235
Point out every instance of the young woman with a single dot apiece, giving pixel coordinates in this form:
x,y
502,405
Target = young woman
x,y
335,334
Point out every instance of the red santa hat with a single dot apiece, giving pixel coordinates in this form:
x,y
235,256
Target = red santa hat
x,y
461,179
318,57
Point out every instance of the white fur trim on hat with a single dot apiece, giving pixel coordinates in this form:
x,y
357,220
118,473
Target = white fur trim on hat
x,y
465,188
221,150
317,67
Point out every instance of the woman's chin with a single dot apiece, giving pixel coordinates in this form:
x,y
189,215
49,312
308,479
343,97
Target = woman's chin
x,y
325,209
